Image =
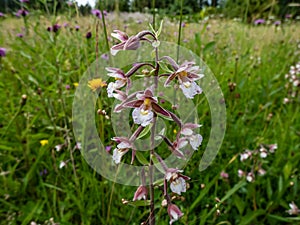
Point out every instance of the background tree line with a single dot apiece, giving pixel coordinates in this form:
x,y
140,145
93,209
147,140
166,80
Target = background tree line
x,y
247,9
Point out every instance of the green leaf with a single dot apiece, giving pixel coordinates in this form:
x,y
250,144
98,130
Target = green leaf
x,y
280,185
159,29
145,131
209,46
251,216
269,189
233,190
198,39
239,203
287,170
53,187
141,158
151,28
279,218
157,164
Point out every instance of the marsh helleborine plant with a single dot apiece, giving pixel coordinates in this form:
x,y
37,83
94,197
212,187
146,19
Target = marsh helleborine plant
x,y
146,108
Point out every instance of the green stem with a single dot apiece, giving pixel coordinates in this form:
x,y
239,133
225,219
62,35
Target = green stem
x,y
153,14
104,26
179,30
151,173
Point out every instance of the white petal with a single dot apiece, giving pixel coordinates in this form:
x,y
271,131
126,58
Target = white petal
x,y
174,215
142,117
62,164
124,145
110,89
117,155
113,52
186,131
195,141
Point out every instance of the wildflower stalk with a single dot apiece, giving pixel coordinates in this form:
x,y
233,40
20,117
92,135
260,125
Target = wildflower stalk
x,y
152,208
179,30
146,110
104,26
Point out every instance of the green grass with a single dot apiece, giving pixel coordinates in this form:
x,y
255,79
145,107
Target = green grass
x,y
41,64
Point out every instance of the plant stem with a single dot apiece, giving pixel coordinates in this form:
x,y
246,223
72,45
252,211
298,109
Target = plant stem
x,y
152,208
153,15
104,26
151,171
179,30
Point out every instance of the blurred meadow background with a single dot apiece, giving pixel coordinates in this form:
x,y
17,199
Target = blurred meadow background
x,y
253,49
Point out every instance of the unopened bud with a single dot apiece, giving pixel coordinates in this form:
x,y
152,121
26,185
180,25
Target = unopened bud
x,y
39,91
23,100
164,203
124,201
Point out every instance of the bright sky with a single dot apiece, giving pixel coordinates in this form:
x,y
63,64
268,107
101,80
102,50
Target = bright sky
x,y
83,2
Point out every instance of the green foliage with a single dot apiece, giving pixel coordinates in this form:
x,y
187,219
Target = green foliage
x,y
249,10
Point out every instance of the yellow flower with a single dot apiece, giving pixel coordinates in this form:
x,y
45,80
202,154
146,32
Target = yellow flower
x,y
96,83
44,142
175,131
75,84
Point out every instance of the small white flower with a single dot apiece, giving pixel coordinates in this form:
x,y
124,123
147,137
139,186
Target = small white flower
x,y
241,173
174,213
58,147
261,172
190,89
272,148
78,146
62,164
250,177
263,152
178,185
294,210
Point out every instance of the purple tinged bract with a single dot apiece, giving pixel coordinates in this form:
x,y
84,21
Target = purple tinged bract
x,y
22,12
3,52
259,21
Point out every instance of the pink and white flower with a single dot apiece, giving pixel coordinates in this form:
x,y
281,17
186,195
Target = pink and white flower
x,y
186,74
121,81
127,43
250,177
245,155
174,213
263,153
294,210
144,108
124,144
177,180
141,193
194,139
